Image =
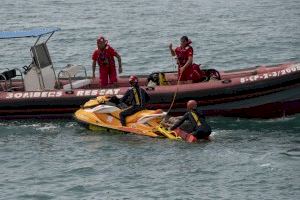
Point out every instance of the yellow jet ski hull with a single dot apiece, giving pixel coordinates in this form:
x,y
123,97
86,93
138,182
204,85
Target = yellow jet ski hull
x,y
110,122
98,115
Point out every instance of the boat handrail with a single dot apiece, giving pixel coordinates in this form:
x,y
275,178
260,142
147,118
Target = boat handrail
x,y
8,75
70,71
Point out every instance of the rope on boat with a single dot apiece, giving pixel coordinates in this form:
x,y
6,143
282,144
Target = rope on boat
x,y
174,97
160,127
178,81
175,94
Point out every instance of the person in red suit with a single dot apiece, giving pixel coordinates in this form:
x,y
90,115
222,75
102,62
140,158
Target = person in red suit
x,y
104,56
187,70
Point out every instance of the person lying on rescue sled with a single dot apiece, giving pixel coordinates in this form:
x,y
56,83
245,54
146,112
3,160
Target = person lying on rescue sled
x,y
200,128
187,70
104,55
136,97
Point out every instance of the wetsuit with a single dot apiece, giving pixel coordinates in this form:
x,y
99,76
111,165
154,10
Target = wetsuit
x,y
200,128
136,97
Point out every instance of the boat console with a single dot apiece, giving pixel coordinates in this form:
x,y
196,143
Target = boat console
x,y
40,74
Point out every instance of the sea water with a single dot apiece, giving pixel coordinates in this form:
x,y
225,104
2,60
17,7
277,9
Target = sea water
x,y
248,158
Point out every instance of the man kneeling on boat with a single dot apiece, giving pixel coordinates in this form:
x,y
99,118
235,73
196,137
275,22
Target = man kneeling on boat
x,y
200,128
136,97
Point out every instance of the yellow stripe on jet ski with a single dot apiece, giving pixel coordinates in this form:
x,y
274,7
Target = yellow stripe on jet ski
x,y
167,133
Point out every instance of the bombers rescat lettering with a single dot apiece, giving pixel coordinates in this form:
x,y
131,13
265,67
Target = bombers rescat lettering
x,y
53,94
26,95
97,92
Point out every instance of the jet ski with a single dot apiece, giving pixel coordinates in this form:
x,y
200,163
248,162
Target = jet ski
x,y
102,113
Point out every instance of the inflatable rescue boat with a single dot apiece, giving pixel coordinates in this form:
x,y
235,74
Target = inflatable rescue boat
x,y
40,91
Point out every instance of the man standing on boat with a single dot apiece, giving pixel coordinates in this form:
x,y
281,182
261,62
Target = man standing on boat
x,y
104,55
136,97
187,70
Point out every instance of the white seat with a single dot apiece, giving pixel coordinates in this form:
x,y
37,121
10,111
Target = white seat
x,y
71,70
77,84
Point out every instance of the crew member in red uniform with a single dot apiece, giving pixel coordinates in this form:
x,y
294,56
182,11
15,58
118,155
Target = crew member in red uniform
x,y
187,70
104,56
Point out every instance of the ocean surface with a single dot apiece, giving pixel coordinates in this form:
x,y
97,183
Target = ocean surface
x,y
248,158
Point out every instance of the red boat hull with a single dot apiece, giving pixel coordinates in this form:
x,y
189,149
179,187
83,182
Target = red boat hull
x,y
260,92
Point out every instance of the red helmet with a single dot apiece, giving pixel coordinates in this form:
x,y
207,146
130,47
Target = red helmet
x,y
101,39
133,79
191,104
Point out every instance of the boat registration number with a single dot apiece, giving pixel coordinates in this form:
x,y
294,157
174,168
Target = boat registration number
x,y
257,77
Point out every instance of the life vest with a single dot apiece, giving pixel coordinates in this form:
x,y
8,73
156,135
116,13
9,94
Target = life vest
x,y
183,54
196,118
137,97
105,57
162,79
158,78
